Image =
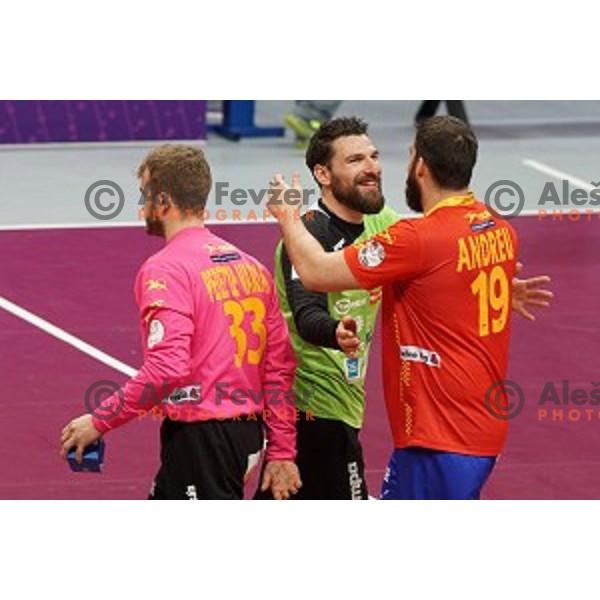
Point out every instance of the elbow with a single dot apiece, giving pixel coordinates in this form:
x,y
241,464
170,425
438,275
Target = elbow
x,y
315,273
311,285
305,331
167,371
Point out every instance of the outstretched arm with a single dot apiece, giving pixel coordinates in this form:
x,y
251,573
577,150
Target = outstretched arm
x,y
528,293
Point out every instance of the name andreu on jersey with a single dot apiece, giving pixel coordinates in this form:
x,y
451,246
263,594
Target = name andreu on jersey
x,y
491,245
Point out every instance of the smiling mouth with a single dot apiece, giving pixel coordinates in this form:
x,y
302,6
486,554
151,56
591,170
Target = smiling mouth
x,y
372,183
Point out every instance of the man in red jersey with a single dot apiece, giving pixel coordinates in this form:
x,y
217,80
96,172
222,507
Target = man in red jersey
x,y
446,315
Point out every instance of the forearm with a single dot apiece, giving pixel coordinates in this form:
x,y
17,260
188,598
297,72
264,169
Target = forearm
x,y
126,403
316,327
278,377
152,384
319,271
166,366
305,252
280,422
279,411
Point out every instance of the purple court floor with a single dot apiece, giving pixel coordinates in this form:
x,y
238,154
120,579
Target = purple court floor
x,y
81,281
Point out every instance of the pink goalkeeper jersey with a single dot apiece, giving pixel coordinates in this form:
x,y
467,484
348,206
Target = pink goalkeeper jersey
x,y
215,342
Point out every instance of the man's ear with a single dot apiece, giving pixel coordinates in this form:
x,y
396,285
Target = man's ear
x,y
421,168
164,203
165,200
322,175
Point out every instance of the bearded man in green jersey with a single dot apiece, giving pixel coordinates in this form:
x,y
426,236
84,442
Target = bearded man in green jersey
x,y
331,332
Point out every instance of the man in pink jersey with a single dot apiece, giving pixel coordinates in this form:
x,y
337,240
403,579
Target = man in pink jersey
x,y
217,358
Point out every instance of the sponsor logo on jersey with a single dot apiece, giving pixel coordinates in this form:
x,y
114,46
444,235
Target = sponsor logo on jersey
x,y
476,227
344,305
156,284
224,258
482,215
156,333
352,369
222,253
416,354
218,248
371,255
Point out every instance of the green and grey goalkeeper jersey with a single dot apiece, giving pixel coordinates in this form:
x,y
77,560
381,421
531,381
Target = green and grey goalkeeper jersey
x,y
327,382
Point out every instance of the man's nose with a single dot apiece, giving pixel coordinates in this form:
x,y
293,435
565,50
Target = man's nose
x,y
373,167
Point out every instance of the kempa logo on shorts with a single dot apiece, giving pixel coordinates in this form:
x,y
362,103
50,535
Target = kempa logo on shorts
x,y
345,305
416,354
355,481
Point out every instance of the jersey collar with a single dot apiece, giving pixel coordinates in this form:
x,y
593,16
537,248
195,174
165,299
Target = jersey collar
x,y
453,201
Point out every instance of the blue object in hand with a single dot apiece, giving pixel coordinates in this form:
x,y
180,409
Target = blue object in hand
x,y
93,458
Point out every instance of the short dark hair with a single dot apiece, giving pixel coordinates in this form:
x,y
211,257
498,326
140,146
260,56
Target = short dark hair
x,y
182,172
320,148
449,148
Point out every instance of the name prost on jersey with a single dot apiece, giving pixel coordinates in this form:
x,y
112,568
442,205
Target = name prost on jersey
x,y
487,248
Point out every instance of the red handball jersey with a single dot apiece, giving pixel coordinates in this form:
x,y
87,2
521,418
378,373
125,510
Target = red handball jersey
x,y
446,323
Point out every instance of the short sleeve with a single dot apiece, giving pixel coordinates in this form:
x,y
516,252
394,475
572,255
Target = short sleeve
x,y
395,254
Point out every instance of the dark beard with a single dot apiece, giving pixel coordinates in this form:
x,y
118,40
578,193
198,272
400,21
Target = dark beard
x,y
154,226
414,196
353,199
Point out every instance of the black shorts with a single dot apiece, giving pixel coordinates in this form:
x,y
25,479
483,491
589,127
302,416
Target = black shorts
x,y
330,461
206,460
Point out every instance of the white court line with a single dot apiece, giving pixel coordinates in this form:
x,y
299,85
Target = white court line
x,y
62,335
560,175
